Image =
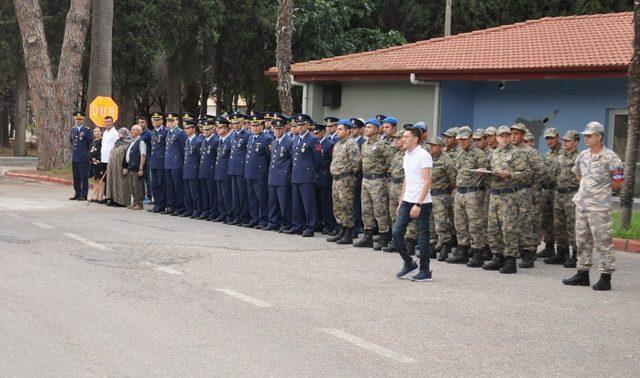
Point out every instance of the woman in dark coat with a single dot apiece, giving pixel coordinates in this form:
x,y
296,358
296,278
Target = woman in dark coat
x,y
117,184
96,170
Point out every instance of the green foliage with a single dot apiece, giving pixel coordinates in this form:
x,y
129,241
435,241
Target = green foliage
x,y
634,227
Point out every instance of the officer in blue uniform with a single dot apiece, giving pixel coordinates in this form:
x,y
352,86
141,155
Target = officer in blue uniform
x,y
331,124
256,172
223,180
306,158
173,165
357,125
80,138
326,220
237,161
280,179
206,173
190,172
158,147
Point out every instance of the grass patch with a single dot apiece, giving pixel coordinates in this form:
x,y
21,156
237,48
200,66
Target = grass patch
x,y
8,151
634,228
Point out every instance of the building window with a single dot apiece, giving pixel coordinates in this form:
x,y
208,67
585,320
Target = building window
x,y
617,139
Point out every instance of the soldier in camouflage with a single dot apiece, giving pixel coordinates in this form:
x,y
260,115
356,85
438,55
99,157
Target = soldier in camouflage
x,y
396,177
490,132
552,138
443,176
509,168
536,193
468,204
376,158
528,240
480,140
566,186
599,170
345,164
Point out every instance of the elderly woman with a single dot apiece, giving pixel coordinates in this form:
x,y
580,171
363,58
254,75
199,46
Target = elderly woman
x,y
118,189
96,169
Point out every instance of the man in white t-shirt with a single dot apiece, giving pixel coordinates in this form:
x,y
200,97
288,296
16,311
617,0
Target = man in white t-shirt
x,y
415,204
109,138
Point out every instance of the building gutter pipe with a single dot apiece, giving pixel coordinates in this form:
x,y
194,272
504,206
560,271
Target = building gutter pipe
x,y
305,94
436,101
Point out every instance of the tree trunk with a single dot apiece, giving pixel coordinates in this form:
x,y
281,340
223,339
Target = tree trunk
x,y
100,68
21,119
631,155
284,32
4,128
174,89
53,99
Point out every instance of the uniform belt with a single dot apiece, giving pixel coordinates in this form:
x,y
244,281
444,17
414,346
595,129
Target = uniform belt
x,y
375,176
467,189
567,190
440,192
397,180
552,186
343,175
510,190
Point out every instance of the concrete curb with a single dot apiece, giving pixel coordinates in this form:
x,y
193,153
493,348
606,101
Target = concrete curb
x,y
626,245
42,178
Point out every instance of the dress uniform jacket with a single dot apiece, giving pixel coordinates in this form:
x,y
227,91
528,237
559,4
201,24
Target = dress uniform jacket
x,y
281,158
81,139
158,147
323,174
258,156
175,143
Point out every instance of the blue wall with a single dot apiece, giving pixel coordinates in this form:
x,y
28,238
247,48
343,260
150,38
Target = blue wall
x,y
579,101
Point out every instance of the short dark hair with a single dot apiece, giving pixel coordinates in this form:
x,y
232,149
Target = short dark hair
x,y
108,117
415,132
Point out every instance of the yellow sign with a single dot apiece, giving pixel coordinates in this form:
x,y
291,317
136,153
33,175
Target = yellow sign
x,y
101,107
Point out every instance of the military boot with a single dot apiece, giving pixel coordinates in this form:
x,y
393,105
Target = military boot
x,y
476,261
460,256
339,236
347,237
391,246
573,260
580,279
444,252
548,251
433,253
366,241
510,266
454,240
384,241
560,257
604,283
496,262
411,246
528,259
486,253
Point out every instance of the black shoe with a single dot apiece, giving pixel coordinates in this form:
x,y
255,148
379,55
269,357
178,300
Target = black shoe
x,y
184,215
460,256
444,252
338,236
308,233
391,246
74,198
486,253
283,229
528,258
335,232
548,251
234,222
325,231
249,225
476,261
366,241
496,262
347,237
383,242
422,276
580,279
82,198
406,269
604,283
510,266
433,252
454,241
560,258
271,227
291,231
572,261
168,211
410,245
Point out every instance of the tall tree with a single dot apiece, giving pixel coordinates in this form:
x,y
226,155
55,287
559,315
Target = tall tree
x,y
53,97
20,119
284,32
631,155
101,64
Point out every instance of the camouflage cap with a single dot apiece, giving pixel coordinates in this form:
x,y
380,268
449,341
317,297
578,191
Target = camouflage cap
x,y
551,132
519,127
528,136
479,134
398,134
436,140
593,128
490,130
503,130
464,132
452,132
571,135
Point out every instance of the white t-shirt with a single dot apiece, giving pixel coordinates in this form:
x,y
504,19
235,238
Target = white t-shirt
x,y
413,163
109,138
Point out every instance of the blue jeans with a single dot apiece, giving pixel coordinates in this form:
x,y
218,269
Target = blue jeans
x,y
422,223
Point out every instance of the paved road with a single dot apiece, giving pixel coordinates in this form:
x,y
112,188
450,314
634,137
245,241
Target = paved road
x,y
91,290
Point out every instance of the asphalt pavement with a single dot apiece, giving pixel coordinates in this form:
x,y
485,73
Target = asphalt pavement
x,y
89,290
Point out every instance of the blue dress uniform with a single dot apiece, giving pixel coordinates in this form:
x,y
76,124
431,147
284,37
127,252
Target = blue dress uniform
x,y
306,158
158,150
280,183
323,188
256,172
237,159
80,138
332,121
206,174
223,180
190,176
357,195
173,165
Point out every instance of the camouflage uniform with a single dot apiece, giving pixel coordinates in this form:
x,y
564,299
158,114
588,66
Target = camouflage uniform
x,y
547,196
442,180
396,177
594,228
344,166
376,158
564,209
529,240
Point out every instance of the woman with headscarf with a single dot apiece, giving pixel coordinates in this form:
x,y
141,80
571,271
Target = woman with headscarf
x,y
117,184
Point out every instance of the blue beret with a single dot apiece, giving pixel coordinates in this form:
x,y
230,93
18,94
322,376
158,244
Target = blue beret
x,y
372,121
391,120
344,122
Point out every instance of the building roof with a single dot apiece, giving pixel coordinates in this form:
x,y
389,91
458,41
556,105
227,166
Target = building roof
x,y
572,46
